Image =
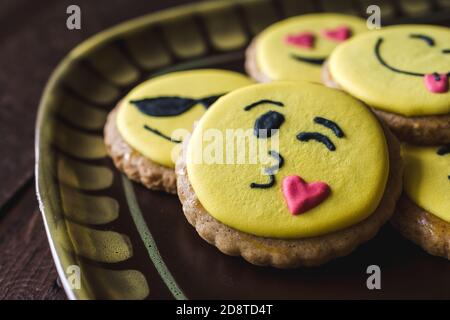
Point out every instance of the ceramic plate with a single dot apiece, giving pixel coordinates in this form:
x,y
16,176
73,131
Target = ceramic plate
x,y
113,239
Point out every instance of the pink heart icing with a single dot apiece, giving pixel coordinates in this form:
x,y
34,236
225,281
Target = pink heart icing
x,y
301,196
340,33
303,39
436,83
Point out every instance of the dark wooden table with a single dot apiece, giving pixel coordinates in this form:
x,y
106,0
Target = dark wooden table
x,y
33,39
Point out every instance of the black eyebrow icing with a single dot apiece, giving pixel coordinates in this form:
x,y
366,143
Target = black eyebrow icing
x,y
306,136
446,51
162,135
423,37
333,126
264,101
442,151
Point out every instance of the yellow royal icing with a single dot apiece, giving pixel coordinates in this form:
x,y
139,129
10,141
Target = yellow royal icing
x,y
426,179
274,53
396,82
356,171
197,84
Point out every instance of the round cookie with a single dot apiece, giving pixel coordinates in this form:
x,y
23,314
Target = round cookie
x,y
274,179
423,213
402,72
295,48
143,133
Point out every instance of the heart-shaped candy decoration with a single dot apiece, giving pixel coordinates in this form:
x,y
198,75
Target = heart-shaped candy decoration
x,y
303,39
301,196
436,83
339,34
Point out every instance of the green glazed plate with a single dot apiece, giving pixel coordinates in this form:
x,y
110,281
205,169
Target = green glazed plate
x,y
113,239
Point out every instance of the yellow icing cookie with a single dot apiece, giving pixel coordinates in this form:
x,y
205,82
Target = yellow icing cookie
x,y
427,178
320,165
295,48
400,69
170,104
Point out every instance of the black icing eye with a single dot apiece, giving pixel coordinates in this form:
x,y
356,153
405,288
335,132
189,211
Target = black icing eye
x,y
269,121
164,106
444,150
168,106
319,137
208,101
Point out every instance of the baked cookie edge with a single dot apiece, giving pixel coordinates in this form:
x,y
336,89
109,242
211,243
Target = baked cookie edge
x,y
131,162
422,227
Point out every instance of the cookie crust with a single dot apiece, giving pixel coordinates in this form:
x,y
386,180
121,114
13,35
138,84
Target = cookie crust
x,y
137,167
422,130
421,227
285,253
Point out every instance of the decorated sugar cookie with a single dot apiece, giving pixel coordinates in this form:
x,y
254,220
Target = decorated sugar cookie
x,y
143,133
288,174
295,48
403,73
423,213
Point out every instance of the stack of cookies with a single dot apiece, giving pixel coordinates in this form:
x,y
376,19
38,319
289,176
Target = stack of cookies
x,y
402,73
306,166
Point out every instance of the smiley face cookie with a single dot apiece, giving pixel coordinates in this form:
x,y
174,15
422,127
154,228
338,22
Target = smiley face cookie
x,y
143,133
403,73
288,174
295,48
423,212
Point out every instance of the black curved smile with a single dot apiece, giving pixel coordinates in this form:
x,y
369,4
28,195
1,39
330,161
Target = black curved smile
x,y
315,61
394,69
270,171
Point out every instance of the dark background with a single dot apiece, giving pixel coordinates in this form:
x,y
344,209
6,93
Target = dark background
x,y
33,39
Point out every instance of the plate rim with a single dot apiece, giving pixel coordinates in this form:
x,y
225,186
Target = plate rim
x,y
80,50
